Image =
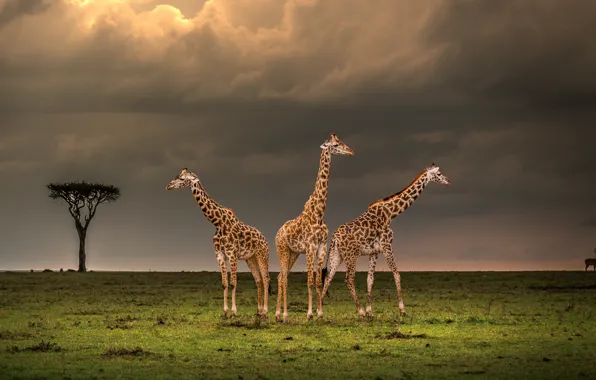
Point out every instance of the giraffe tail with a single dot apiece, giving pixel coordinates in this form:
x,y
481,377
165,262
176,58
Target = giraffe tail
x,y
324,270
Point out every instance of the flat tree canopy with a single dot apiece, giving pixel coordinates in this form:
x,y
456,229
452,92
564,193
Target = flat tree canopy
x,y
82,199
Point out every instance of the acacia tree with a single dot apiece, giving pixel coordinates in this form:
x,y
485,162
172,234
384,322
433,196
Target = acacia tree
x,y
82,199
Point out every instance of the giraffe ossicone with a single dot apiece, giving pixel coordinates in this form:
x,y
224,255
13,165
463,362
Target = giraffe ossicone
x,y
370,234
307,233
233,240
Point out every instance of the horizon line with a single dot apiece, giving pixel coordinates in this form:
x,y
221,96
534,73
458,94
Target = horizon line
x,y
303,271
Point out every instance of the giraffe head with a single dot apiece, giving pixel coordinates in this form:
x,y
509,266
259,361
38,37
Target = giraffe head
x,y
335,146
182,180
433,174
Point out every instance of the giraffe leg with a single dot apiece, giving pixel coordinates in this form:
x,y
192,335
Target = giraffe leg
x,y
254,268
332,265
291,262
263,265
350,274
221,260
370,279
391,263
286,259
233,281
283,256
279,292
310,263
320,261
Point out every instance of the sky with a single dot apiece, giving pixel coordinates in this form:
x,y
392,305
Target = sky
x,y
500,95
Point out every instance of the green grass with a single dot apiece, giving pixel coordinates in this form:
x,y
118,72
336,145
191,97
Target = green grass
x,y
167,326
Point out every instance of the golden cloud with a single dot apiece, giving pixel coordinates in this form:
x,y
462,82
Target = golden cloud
x,y
295,49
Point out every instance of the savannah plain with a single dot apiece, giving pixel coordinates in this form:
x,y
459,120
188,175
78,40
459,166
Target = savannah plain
x,y
129,325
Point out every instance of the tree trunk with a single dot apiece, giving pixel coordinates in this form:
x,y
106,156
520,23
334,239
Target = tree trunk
x,y
82,256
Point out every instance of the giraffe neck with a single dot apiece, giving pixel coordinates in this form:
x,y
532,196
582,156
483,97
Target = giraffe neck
x,y
315,205
212,210
397,203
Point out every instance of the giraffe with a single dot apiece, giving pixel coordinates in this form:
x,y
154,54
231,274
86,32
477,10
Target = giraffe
x,y
589,262
233,241
371,234
307,233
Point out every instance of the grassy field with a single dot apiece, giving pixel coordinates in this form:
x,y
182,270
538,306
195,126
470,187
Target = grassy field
x,y
167,325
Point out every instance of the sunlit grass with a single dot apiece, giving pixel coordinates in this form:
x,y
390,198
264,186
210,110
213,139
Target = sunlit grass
x,y
168,325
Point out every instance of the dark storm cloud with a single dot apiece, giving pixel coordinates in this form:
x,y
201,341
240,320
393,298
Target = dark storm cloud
x,y
589,222
535,52
11,10
523,51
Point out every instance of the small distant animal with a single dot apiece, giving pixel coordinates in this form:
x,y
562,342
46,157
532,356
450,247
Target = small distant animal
x,y
591,262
